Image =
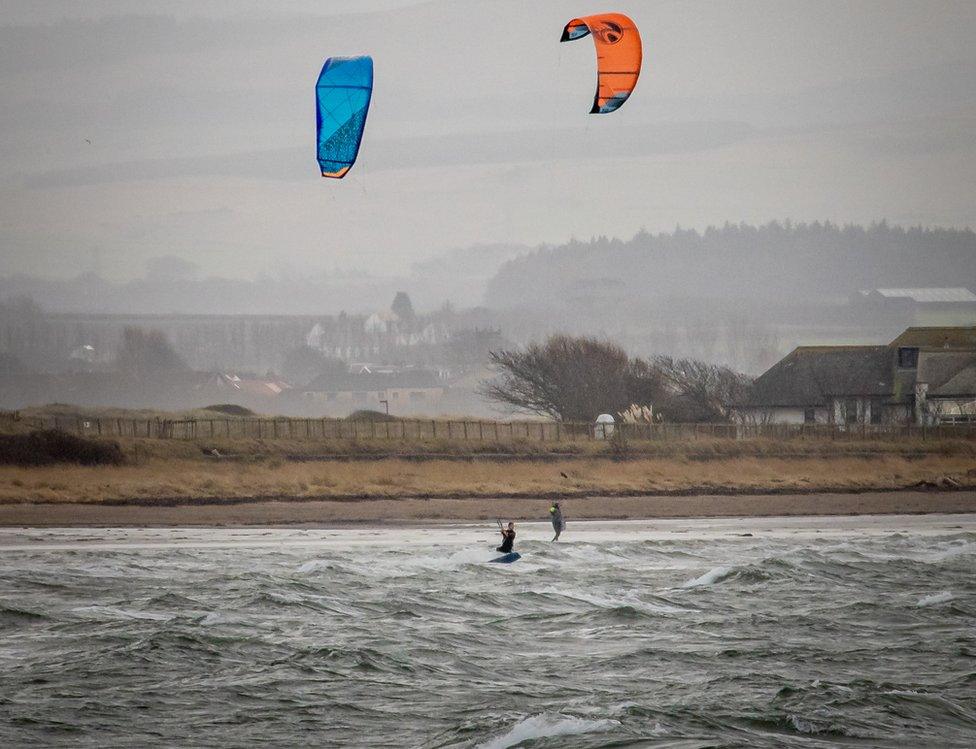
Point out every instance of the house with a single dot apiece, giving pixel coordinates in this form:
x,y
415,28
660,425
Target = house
x,y
232,385
407,391
954,305
924,376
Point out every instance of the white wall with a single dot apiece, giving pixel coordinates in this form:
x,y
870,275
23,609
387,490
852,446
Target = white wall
x,y
780,415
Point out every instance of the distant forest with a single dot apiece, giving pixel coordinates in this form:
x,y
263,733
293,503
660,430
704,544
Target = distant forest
x,y
773,262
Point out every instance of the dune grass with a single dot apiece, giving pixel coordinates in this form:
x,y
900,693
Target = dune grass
x,y
185,480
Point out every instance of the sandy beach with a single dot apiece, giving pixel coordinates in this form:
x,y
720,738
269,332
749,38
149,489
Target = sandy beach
x,y
420,511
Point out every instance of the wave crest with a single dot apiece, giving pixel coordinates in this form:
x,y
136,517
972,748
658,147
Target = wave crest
x,y
545,726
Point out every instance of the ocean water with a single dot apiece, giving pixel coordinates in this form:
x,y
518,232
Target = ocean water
x,y
753,633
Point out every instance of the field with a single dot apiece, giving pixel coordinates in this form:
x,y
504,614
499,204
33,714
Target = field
x,y
219,470
180,479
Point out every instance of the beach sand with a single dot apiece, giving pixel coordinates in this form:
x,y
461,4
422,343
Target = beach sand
x,y
289,511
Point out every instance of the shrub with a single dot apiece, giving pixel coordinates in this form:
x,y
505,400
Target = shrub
x,y
48,446
230,409
367,414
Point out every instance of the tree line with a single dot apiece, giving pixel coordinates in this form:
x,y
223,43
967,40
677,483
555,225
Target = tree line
x,y
773,261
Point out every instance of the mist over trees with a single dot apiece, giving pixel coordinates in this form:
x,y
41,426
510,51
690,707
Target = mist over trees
x,y
736,297
776,261
303,364
145,353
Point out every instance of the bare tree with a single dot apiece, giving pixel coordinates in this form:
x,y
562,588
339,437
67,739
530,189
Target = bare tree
x,y
701,391
573,379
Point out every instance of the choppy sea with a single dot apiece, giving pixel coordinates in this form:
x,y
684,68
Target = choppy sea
x,y
754,633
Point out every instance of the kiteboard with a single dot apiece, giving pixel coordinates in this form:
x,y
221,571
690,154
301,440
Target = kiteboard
x,y
512,556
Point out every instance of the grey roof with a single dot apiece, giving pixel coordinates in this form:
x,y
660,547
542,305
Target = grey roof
x,y
954,294
939,367
810,374
963,383
372,381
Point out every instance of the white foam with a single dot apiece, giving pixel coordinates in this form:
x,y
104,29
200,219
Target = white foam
x,y
544,726
313,566
605,602
936,598
111,612
952,551
804,726
712,576
214,618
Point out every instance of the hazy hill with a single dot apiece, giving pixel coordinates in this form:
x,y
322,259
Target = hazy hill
x,y
774,262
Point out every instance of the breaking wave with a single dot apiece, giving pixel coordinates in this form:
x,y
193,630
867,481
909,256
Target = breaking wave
x,y
546,726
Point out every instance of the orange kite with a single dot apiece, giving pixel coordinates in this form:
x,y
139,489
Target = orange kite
x,y
618,56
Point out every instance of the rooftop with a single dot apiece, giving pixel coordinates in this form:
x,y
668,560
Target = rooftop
x,y
962,338
952,295
810,374
371,381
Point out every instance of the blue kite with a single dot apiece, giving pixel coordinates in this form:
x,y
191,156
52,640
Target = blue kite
x,y
342,96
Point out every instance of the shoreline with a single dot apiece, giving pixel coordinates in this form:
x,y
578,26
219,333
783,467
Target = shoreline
x,y
560,495
420,511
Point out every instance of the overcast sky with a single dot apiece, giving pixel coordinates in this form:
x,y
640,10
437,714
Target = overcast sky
x,y
201,121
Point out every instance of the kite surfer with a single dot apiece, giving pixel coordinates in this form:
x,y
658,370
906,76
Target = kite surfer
x,y
556,515
508,538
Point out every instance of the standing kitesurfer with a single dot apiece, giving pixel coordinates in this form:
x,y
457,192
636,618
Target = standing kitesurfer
x,y
508,538
556,515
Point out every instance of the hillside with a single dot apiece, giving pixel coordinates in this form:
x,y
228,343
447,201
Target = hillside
x,y
774,262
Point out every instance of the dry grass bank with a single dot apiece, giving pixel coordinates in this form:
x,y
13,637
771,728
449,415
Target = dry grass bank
x,y
194,480
251,449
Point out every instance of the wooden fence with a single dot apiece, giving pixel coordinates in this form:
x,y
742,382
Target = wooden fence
x,y
481,431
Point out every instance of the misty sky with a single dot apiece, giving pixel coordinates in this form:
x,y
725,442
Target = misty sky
x,y
201,121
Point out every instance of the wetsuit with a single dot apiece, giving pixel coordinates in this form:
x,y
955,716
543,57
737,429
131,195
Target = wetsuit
x,y
509,539
558,524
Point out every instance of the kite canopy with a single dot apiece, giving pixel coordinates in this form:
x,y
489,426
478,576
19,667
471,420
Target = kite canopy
x,y
618,56
342,97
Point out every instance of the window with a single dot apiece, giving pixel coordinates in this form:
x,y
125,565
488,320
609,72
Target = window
x,y
809,416
850,410
877,407
908,357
